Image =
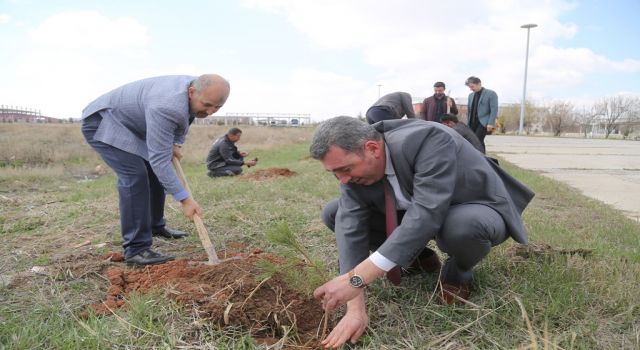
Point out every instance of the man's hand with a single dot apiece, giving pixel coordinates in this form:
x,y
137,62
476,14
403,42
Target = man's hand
x,y
190,207
351,326
336,292
177,151
244,154
490,129
250,162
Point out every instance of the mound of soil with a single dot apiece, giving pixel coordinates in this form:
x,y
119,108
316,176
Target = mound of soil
x,y
270,173
231,293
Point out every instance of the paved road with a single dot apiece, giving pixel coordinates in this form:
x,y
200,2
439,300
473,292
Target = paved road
x,y
608,170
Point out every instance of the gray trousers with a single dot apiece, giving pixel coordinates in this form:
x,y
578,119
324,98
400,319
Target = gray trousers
x,y
467,235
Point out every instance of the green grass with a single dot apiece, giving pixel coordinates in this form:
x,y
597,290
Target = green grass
x,y
573,302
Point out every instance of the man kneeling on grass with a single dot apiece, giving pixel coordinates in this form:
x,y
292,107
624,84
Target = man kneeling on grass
x,y
431,180
224,159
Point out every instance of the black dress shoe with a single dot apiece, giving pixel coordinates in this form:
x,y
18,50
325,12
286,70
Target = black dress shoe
x,y
427,261
168,233
148,257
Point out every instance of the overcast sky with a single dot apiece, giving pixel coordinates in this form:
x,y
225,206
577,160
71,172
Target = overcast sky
x,y
325,58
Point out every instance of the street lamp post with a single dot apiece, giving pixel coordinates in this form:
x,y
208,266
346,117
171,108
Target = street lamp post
x,y
379,85
524,86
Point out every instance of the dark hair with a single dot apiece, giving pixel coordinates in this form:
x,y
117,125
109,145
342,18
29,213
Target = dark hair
x,y
439,84
234,131
345,132
449,118
472,80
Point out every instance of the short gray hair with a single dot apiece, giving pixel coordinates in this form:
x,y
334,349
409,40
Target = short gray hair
x,y
206,80
348,133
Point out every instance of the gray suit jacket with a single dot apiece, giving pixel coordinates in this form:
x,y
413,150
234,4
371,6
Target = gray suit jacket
x,y
400,102
146,118
487,107
436,168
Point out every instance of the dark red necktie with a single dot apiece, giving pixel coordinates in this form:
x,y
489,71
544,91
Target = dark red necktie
x,y
391,221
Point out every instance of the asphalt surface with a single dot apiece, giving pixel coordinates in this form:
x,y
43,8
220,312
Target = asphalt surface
x,y
608,170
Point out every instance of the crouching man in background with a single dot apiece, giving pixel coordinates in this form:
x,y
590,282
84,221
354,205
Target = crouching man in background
x,y
224,159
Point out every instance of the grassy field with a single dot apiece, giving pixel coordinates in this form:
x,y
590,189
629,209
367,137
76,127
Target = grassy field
x,y
541,298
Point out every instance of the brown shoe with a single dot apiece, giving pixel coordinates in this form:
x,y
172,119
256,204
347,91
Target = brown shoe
x,y
449,293
427,261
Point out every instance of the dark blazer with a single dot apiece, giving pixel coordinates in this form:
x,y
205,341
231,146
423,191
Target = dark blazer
x,y
437,169
469,135
223,152
399,102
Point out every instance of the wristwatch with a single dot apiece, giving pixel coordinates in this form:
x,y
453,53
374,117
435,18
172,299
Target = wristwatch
x,y
356,281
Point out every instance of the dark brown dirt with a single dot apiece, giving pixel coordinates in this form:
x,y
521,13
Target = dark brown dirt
x,y
266,174
228,294
113,256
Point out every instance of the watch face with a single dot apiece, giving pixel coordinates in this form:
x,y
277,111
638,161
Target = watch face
x,y
356,281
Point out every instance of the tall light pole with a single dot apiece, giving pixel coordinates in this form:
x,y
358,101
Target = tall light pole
x,y
379,85
524,86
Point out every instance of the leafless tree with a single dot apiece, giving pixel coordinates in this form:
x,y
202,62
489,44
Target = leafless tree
x,y
585,118
614,109
559,116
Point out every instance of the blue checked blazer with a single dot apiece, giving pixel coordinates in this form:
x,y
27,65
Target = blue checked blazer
x,y
146,118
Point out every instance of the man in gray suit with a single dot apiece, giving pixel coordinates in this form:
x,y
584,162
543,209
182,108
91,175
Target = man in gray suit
x,y
137,129
391,106
445,190
482,109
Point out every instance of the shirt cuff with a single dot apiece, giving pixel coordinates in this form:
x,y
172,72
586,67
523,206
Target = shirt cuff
x,y
181,195
381,262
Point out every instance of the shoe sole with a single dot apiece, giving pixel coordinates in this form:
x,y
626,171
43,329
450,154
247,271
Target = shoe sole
x,y
130,263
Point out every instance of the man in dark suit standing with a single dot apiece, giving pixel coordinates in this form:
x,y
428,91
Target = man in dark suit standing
x,y
137,129
440,186
391,106
482,109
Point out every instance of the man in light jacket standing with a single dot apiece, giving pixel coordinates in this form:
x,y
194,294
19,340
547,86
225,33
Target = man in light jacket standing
x,y
482,109
137,129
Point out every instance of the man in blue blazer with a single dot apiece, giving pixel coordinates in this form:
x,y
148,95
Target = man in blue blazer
x,y
482,109
444,189
137,129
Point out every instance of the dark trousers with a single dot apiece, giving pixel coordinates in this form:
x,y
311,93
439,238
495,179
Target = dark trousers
x,y
481,132
141,194
467,235
378,113
227,170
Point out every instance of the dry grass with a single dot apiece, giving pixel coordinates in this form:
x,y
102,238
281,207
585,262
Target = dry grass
x,y
38,145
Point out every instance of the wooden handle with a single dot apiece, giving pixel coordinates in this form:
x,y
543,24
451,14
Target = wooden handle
x,y
202,230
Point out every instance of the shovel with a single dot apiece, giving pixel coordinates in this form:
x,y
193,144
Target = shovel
x,y
202,230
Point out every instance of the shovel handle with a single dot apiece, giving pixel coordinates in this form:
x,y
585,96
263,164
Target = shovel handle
x,y
203,233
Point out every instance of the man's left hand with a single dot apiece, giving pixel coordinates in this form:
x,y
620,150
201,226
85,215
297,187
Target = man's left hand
x,y
177,151
336,292
490,129
244,154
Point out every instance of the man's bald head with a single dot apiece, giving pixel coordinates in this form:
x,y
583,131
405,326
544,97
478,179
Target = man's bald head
x,y
206,80
207,94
